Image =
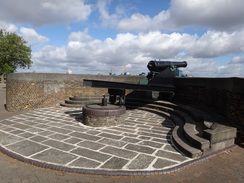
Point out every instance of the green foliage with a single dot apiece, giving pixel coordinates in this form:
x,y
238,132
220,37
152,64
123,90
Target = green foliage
x,y
13,52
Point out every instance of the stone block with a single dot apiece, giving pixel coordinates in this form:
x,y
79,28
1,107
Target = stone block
x,y
221,145
221,133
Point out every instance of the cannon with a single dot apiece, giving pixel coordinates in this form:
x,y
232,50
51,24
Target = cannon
x,y
160,79
159,66
162,72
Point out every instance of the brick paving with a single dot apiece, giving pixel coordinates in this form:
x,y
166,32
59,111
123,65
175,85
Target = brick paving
x,y
56,135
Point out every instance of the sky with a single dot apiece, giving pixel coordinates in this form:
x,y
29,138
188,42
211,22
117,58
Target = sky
x,y
97,36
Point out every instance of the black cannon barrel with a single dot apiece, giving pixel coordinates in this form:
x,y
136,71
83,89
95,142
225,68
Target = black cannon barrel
x,y
159,66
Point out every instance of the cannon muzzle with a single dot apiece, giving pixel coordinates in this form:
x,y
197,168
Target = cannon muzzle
x,y
158,66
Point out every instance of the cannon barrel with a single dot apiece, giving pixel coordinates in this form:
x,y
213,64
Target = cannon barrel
x,y
158,66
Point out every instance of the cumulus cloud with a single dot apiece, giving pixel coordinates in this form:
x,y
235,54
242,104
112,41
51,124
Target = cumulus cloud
x,y
215,43
80,36
91,55
237,60
222,15
8,26
41,12
31,36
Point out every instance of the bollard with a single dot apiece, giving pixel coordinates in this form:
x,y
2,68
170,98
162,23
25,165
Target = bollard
x,y
104,101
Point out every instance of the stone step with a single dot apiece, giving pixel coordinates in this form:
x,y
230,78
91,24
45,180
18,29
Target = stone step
x,y
71,105
82,102
85,98
189,127
220,133
177,135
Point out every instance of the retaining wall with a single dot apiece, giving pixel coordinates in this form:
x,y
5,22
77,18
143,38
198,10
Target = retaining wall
x,y
222,95
34,90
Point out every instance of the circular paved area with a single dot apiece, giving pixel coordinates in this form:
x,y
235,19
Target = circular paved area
x,y
55,138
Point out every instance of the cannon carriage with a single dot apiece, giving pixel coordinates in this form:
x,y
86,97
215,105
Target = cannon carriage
x,y
160,79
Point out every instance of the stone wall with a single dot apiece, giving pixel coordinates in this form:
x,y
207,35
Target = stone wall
x,y
222,95
34,90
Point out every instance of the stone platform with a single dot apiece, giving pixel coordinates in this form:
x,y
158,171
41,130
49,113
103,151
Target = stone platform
x,y
54,138
96,115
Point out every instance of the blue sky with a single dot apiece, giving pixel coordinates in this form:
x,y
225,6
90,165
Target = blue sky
x,y
93,36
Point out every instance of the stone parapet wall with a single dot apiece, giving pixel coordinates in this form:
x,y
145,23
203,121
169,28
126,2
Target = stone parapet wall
x,y
34,90
222,95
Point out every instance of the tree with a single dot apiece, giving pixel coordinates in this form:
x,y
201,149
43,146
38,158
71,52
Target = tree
x,y
13,53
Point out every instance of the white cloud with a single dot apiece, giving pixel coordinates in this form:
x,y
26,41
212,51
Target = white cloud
x,y
41,12
107,18
8,26
222,15
135,51
80,36
213,44
237,60
31,36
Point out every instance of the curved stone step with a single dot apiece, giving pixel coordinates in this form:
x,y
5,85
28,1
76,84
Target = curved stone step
x,y
71,105
85,98
81,102
177,135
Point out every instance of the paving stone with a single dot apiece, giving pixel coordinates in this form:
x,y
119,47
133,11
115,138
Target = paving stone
x,y
110,136
93,132
165,141
115,163
6,139
151,134
42,126
90,145
123,130
130,135
58,136
86,163
119,152
59,130
26,135
73,140
55,156
131,140
91,154
16,132
169,155
112,131
170,148
7,122
34,130
26,147
84,136
31,123
142,161
142,149
162,163
112,142
21,126
38,138
152,144
45,133
59,145
144,137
